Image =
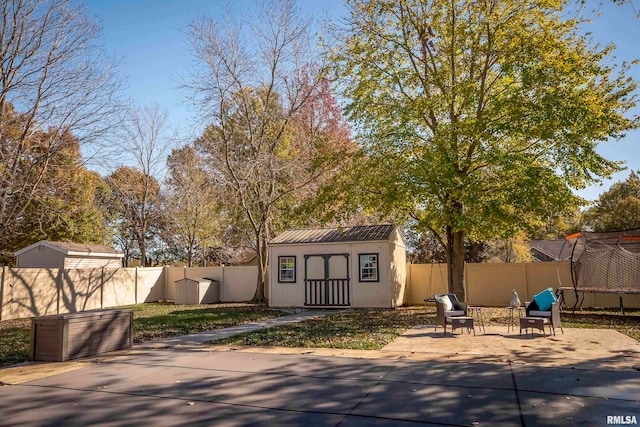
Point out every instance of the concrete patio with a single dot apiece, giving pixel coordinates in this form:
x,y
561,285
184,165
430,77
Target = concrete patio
x,y
580,377
596,348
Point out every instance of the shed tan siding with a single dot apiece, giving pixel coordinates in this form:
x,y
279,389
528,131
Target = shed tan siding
x,y
388,292
40,257
398,271
77,262
43,256
372,294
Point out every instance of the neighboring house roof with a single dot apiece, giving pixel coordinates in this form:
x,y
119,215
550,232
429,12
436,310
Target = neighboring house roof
x,y
75,249
332,235
247,256
551,250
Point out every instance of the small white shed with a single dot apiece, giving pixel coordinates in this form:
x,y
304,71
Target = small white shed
x,y
362,266
66,255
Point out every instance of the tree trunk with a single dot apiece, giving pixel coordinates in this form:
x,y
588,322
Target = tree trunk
x,y
143,252
455,262
259,296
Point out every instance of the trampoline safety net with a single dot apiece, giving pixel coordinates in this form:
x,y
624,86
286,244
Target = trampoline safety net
x,y
607,261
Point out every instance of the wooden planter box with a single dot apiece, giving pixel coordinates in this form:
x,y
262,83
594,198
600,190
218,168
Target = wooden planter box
x,y
62,337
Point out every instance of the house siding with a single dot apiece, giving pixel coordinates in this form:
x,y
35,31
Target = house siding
x,y
77,262
40,257
43,256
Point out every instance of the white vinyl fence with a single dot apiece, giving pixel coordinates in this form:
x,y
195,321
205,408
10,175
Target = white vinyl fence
x,y
28,292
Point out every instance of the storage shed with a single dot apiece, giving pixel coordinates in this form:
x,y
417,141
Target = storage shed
x,y
66,255
197,291
362,266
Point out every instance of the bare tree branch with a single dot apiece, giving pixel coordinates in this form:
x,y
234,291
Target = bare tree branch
x,y
54,81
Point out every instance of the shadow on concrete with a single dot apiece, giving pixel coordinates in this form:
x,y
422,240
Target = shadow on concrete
x,y
195,387
598,349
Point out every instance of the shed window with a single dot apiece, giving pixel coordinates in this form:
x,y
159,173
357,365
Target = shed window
x,y
369,268
286,269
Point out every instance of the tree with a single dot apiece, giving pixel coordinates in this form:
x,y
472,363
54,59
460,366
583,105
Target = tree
x,y
192,212
478,117
617,208
558,227
425,248
143,140
135,197
513,249
62,206
68,209
54,82
265,145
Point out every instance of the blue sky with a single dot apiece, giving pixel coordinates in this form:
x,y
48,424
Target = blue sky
x,y
148,36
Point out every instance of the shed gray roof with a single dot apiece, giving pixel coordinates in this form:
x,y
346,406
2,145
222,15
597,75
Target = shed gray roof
x,y
69,248
362,233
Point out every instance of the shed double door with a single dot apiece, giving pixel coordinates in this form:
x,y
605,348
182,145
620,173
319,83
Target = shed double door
x,y
326,280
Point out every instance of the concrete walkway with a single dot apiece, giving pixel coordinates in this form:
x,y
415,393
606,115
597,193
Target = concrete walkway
x,y
219,334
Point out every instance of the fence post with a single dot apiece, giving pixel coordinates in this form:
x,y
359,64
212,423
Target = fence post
x,y
526,283
464,283
524,279
135,287
59,288
101,288
165,288
2,292
221,284
407,283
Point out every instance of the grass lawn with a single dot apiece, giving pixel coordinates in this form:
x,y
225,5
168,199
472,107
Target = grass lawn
x,y
163,320
373,329
14,341
349,329
364,329
150,321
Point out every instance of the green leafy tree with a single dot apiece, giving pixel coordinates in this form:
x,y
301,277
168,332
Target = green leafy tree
x,y
478,117
192,214
67,210
559,226
617,208
136,202
62,206
513,249
54,82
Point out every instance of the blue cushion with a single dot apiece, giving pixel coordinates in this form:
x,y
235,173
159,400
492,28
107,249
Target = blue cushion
x,y
545,299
